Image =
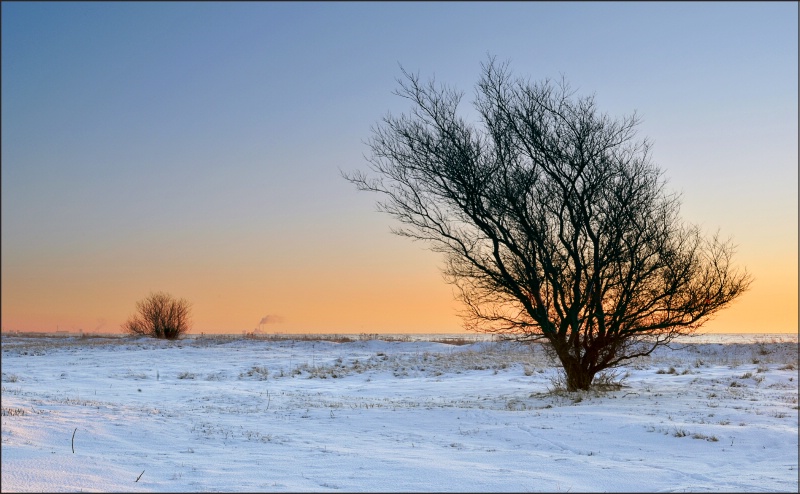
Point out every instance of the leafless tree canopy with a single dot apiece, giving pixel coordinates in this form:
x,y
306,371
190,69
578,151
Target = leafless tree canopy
x,y
554,222
160,316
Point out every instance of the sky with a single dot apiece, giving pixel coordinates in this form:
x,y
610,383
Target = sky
x,y
197,149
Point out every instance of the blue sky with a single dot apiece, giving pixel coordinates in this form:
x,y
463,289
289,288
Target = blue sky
x,y
196,147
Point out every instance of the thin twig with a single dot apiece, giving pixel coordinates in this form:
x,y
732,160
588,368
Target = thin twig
x,y
73,440
140,476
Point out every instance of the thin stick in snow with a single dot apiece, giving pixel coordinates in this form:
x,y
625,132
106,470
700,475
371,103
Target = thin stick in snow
x,y
140,476
73,440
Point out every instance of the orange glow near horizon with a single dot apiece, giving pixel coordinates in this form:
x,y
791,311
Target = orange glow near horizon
x,y
403,293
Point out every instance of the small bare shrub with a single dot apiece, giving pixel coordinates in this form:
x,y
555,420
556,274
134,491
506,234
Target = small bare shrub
x,y
10,378
260,373
609,380
712,439
160,316
558,383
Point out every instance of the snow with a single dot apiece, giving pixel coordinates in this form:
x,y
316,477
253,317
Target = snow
x,y
717,413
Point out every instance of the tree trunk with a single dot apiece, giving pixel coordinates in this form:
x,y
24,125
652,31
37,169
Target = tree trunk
x,y
578,379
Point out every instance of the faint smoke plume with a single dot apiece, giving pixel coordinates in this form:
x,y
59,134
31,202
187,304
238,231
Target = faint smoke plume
x,y
270,319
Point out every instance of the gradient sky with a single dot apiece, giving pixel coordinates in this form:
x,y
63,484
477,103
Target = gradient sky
x,y
195,148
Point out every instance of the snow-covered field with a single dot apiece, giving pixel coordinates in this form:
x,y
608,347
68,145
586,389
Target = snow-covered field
x,y
720,413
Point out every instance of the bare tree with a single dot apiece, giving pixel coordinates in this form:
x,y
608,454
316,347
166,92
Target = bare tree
x,y
160,316
554,222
